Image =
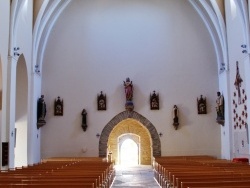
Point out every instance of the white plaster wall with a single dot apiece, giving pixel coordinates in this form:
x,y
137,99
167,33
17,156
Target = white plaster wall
x,y
161,45
235,27
22,38
4,33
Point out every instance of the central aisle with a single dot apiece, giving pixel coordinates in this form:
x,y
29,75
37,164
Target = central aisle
x,y
140,176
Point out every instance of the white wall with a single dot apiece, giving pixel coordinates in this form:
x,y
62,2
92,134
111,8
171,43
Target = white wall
x,y
161,45
4,38
235,27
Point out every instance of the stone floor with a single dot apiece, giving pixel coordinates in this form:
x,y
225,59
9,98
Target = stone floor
x,y
140,176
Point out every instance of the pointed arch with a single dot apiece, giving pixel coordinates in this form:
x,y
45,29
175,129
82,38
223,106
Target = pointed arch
x,y
21,114
156,144
208,11
213,19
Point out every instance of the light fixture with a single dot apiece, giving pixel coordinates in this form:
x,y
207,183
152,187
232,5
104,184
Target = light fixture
x,y
98,135
243,46
16,54
37,69
16,48
160,134
244,51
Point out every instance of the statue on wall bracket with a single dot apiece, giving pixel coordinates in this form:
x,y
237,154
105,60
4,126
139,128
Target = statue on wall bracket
x,y
128,86
201,105
101,102
154,101
41,112
220,109
175,117
84,120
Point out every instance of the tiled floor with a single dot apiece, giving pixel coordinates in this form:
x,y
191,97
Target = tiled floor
x,y
141,176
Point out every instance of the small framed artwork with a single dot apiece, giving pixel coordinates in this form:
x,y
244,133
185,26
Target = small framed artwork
x,y
201,105
154,101
101,101
58,108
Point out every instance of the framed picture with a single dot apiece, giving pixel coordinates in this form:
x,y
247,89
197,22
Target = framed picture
x,y
201,105
58,109
101,101
154,101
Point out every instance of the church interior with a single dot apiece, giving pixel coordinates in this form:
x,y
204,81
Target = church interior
x,y
128,81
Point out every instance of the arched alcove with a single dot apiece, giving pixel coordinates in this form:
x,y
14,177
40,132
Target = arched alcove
x,y
21,113
121,121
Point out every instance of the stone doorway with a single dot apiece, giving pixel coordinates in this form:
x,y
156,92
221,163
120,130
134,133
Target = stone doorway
x,y
129,150
130,122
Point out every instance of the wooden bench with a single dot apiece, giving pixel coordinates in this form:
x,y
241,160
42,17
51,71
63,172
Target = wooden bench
x,y
214,183
91,172
171,171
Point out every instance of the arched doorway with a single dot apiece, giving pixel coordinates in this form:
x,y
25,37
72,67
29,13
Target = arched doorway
x,y
129,149
130,122
21,113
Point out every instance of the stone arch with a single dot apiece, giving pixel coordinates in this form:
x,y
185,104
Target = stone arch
x,y
141,137
156,144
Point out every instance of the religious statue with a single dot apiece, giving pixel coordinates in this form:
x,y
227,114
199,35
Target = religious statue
x,y
238,81
41,112
175,117
220,108
84,120
128,86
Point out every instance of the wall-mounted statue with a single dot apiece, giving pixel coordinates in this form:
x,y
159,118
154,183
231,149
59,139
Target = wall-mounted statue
x,y
128,86
175,117
41,112
101,102
154,101
220,108
84,120
201,105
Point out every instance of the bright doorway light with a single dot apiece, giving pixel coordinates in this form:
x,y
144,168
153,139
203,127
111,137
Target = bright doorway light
x,y
129,153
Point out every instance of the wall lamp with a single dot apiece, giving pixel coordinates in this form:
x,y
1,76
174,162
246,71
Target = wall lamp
x,y
243,46
244,51
160,134
37,69
98,135
16,54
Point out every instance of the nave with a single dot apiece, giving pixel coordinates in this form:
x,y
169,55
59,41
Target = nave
x,y
139,176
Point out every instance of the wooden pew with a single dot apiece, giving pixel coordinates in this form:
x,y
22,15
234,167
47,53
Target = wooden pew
x,y
168,169
92,172
214,183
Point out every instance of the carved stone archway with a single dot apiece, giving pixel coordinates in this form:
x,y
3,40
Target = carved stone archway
x,y
103,142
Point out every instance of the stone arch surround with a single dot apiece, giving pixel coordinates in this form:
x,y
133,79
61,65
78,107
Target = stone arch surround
x,y
156,144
